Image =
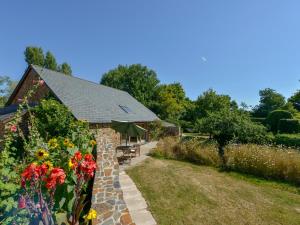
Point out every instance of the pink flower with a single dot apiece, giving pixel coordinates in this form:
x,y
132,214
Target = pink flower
x,y
22,202
13,128
41,82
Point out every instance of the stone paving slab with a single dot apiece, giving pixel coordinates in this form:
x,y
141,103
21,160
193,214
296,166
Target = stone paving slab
x,y
133,198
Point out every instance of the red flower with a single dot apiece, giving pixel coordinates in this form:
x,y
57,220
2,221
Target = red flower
x,y
88,157
13,128
77,156
29,173
33,172
22,202
88,166
57,176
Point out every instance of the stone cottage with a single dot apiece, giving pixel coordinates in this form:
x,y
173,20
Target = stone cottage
x,y
99,105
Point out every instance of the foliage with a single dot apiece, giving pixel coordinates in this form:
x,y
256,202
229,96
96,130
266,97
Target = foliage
x,y
270,100
226,125
289,126
50,61
258,120
288,140
156,130
210,102
170,101
35,55
6,88
65,68
295,100
289,107
139,81
275,116
53,118
45,163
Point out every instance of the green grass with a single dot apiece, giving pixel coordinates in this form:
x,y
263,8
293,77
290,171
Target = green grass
x,y
184,193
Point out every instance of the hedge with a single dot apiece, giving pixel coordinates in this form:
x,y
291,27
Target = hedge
x,y
288,126
259,120
288,140
274,117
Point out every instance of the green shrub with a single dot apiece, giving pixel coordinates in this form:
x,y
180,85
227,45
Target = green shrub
x,y
259,120
288,126
288,140
53,119
275,116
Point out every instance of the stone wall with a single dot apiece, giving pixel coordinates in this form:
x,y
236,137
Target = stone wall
x,y
107,198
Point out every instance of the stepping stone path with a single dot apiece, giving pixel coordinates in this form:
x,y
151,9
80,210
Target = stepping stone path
x,y
133,198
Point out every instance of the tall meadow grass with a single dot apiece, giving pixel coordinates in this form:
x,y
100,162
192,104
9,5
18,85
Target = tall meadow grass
x,y
259,160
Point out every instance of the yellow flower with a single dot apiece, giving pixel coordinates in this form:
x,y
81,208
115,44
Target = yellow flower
x,y
71,145
91,215
49,165
52,143
70,164
41,154
66,142
93,142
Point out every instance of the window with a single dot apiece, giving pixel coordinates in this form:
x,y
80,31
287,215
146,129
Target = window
x,y
125,109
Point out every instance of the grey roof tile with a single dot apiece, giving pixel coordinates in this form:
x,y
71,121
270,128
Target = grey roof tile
x,y
93,102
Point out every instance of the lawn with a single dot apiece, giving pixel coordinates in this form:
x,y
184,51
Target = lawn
x,y
184,193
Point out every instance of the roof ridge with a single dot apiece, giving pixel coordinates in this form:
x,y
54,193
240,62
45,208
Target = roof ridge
x,y
72,76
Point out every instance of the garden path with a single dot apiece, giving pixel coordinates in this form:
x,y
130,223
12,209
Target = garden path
x,y
135,202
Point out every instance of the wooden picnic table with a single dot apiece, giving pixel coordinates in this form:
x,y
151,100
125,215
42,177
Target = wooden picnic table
x,y
129,151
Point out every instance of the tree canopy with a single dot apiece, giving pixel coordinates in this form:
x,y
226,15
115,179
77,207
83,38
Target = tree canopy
x,y
6,88
35,55
138,80
210,102
269,100
170,101
227,125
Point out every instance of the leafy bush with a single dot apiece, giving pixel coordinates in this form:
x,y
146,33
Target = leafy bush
x,y
53,118
275,116
226,126
259,160
288,140
259,120
156,130
288,126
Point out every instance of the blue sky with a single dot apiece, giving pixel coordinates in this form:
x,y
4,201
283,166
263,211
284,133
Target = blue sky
x,y
236,47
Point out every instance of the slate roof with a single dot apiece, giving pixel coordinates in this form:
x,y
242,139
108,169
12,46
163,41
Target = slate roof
x,y
93,102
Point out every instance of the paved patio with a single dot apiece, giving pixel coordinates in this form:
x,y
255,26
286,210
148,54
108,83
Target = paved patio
x,y
133,198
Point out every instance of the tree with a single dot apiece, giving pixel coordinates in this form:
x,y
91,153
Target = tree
x,y
170,101
295,100
139,81
275,116
65,68
227,125
6,88
270,100
210,102
50,61
34,55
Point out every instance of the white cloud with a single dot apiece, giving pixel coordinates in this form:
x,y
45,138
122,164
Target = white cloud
x,y
204,59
